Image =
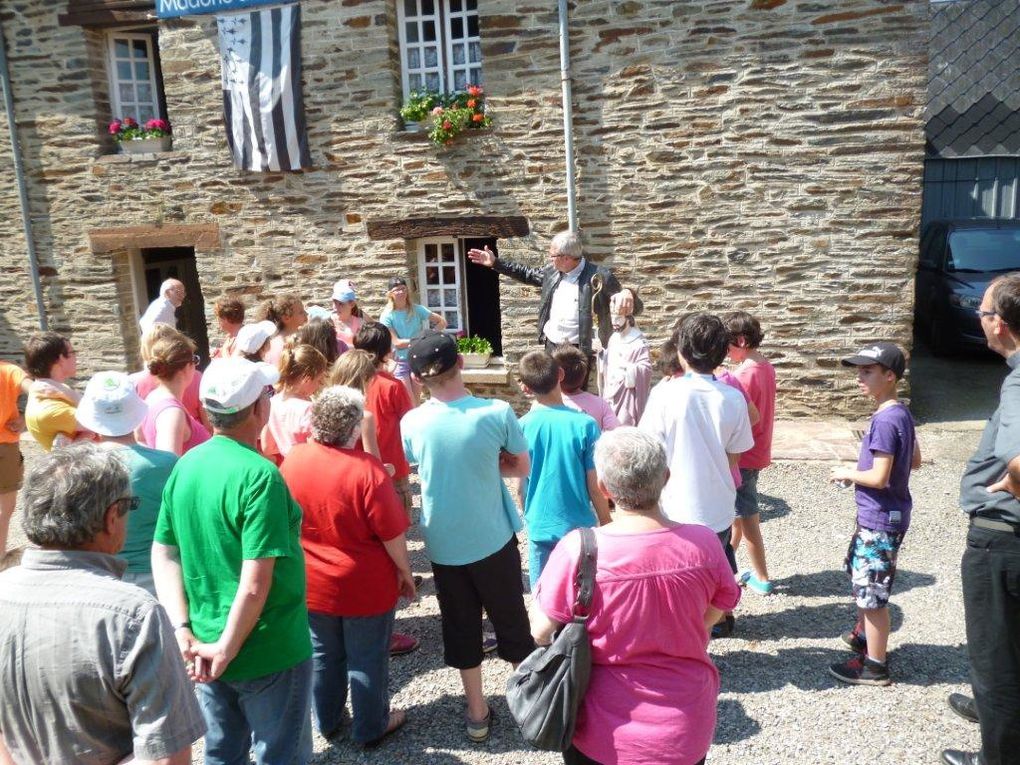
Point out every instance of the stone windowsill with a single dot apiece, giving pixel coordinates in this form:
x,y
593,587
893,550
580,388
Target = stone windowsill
x,y
147,157
497,373
421,136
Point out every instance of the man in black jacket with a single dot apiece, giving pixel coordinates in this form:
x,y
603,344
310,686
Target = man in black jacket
x,y
573,289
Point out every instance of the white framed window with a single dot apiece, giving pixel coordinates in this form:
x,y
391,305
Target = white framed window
x,y
133,70
440,48
441,279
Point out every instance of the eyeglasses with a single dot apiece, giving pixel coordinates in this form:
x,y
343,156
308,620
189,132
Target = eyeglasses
x,y
982,314
128,504
196,359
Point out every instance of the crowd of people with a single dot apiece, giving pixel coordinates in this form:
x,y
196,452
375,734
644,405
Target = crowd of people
x,y
241,531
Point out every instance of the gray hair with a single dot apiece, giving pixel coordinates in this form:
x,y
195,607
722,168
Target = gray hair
x,y
567,243
68,492
223,421
632,466
336,412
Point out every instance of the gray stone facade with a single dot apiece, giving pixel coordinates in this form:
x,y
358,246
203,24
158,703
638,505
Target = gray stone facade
x,y
755,154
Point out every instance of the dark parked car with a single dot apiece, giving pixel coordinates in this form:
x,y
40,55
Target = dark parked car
x,y
958,260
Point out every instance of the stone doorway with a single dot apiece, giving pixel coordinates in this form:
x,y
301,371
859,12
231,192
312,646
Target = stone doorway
x,y
162,263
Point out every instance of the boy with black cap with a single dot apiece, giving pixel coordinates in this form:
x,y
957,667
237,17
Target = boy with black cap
x,y
889,451
464,446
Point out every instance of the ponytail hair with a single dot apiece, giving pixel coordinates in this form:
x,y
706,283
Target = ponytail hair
x,y
298,362
278,308
169,353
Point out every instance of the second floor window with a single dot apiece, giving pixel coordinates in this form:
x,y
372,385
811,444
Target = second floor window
x,y
136,89
440,48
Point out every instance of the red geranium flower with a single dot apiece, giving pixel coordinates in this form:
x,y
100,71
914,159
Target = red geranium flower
x,y
130,122
115,127
472,103
447,125
477,117
157,124
474,90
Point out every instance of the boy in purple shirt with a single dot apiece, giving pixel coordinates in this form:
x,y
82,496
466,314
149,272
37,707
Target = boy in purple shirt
x,y
889,451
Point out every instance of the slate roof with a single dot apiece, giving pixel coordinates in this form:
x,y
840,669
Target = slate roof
x,y
974,79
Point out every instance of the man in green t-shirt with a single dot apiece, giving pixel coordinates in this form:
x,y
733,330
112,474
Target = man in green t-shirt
x,y
229,569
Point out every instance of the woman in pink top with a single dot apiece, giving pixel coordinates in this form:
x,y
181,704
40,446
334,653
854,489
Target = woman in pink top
x,y
347,318
168,425
659,586
288,313
302,370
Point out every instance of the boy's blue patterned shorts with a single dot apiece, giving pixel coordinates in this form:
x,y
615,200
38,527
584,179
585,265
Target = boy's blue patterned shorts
x,y
871,564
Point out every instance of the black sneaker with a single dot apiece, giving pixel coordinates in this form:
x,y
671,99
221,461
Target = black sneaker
x,y
858,643
860,670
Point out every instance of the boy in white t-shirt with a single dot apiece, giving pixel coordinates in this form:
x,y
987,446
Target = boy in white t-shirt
x,y
704,426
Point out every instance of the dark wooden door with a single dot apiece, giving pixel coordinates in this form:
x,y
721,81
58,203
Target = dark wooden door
x,y
164,263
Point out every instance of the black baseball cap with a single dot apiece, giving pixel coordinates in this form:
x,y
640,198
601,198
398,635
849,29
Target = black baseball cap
x,y
397,281
888,355
434,351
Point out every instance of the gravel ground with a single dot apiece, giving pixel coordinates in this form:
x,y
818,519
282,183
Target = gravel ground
x,y
778,703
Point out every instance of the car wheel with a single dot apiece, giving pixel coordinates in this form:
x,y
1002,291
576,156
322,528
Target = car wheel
x,y
940,338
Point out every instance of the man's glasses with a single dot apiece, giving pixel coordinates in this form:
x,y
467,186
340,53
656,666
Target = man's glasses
x,y
982,314
128,504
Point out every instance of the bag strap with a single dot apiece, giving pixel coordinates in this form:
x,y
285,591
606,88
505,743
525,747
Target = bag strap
x,y
586,566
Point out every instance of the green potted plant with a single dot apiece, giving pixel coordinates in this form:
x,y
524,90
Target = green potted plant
x,y
476,351
419,108
132,138
460,111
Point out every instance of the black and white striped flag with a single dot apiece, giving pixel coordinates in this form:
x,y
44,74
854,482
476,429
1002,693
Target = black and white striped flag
x,y
262,105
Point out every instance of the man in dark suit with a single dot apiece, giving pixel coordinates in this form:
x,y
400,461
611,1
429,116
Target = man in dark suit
x,y
576,293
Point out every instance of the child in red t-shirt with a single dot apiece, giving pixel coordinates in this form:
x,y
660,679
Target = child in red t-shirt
x,y
758,378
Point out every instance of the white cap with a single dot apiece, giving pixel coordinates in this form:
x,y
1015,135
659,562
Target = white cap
x,y
229,385
343,291
318,312
111,406
251,337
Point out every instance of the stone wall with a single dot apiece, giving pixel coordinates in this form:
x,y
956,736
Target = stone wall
x,y
756,154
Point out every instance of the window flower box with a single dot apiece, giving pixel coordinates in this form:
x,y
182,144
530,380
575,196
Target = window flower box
x,y
476,351
132,138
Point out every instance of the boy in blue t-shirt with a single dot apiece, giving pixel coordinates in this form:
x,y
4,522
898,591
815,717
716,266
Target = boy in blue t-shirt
x,y
561,488
889,451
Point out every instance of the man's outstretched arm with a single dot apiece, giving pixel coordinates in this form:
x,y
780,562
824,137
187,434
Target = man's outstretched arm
x,y
514,270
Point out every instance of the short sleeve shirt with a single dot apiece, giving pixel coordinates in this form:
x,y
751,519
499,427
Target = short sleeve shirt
x,y
150,470
46,418
290,423
349,508
999,445
759,380
594,406
561,445
225,504
11,377
699,420
406,324
891,431
98,675
387,399
467,512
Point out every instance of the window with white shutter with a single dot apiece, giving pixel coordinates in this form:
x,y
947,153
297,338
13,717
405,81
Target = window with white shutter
x,y
440,48
132,63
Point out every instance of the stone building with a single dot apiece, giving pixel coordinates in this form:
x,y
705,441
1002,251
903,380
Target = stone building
x,y
761,154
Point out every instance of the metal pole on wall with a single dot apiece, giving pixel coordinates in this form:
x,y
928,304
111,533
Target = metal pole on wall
x,y
19,174
568,116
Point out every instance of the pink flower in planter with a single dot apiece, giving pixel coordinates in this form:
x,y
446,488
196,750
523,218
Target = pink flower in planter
x,y
157,124
437,111
115,127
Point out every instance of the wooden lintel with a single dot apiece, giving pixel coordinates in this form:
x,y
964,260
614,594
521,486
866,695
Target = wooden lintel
x,y
201,236
477,226
106,18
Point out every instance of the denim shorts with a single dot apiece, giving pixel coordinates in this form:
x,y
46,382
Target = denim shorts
x,y
402,369
871,564
747,493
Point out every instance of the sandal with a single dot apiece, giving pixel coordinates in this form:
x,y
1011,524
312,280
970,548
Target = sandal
x,y
398,718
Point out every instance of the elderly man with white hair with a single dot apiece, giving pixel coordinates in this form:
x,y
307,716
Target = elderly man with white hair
x,y
163,310
573,289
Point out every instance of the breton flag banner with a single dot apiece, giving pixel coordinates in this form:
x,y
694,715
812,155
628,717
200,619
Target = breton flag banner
x,y
262,105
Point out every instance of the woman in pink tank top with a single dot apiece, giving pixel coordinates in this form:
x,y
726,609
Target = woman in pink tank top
x,y
168,426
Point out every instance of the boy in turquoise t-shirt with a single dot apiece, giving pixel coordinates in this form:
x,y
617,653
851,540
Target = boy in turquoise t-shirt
x,y
562,487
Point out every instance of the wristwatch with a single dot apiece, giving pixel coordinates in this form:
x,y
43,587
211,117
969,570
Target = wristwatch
x,y
182,625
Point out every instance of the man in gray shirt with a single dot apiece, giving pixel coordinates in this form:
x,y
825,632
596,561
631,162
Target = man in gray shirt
x,y
991,562
98,676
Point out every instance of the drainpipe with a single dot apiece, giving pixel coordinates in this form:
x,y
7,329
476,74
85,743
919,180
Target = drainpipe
x,y
568,116
19,174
